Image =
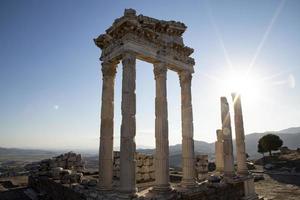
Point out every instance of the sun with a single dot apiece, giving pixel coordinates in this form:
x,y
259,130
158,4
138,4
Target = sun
x,y
245,84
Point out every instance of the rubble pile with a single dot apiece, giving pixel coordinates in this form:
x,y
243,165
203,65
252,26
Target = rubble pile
x,y
66,167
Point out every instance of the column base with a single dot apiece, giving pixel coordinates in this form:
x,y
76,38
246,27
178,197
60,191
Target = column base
x,y
243,173
128,191
251,197
126,196
188,183
161,188
104,189
229,175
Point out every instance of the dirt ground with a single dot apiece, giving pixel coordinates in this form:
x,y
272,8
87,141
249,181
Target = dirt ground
x,y
271,189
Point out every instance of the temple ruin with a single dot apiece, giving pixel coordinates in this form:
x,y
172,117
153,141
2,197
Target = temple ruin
x,y
131,175
158,42
224,148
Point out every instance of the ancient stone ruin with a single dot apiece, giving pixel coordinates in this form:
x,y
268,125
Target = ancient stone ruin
x,y
224,148
131,175
159,42
145,170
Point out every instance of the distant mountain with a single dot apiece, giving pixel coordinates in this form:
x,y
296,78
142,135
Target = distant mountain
x,y
291,140
29,155
290,137
290,130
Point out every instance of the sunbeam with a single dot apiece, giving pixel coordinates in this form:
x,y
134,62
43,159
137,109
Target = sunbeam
x,y
220,39
266,35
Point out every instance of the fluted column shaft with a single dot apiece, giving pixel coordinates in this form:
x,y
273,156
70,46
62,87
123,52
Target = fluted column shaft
x,y
128,127
188,157
161,129
107,127
227,139
239,135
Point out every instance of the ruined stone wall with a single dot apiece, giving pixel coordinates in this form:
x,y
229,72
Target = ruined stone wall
x,y
66,168
201,166
70,160
145,171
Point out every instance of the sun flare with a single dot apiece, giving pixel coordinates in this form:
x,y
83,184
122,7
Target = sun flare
x,y
248,85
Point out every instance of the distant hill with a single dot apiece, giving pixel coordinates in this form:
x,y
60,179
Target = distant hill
x,y
291,140
290,137
24,154
290,130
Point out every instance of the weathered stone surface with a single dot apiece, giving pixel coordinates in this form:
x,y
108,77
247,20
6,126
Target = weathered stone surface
x,y
107,126
219,154
201,167
240,136
145,165
150,39
227,139
188,157
161,130
128,127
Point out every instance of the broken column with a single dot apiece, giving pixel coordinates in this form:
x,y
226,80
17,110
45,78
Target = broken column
x,y
239,135
227,139
219,155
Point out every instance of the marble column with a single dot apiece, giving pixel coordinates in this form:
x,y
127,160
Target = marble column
x,y
188,157
227,139
239,135
161,129
107,127
128,127
219,151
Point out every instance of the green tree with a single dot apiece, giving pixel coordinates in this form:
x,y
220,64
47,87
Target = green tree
x,y
269,143
260,149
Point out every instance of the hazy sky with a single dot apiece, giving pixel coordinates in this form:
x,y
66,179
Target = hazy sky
x,y
50,78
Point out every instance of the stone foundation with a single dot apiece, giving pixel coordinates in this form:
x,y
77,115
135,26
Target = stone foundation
x,y
206,191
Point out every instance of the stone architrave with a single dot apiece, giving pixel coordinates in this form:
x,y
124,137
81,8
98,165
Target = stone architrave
x,y
107,125
188,156
240,136
128,127
161,129
219,155
227,139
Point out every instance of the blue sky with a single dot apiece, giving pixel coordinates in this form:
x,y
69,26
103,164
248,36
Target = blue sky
x,y
50,78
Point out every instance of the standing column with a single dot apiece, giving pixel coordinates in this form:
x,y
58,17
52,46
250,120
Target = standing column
x,y
188,157
128,127
227,139
107,127
219,152
239,135
161,129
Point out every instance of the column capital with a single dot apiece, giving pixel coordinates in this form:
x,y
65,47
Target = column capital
x,y
184,77
109,69
160,69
